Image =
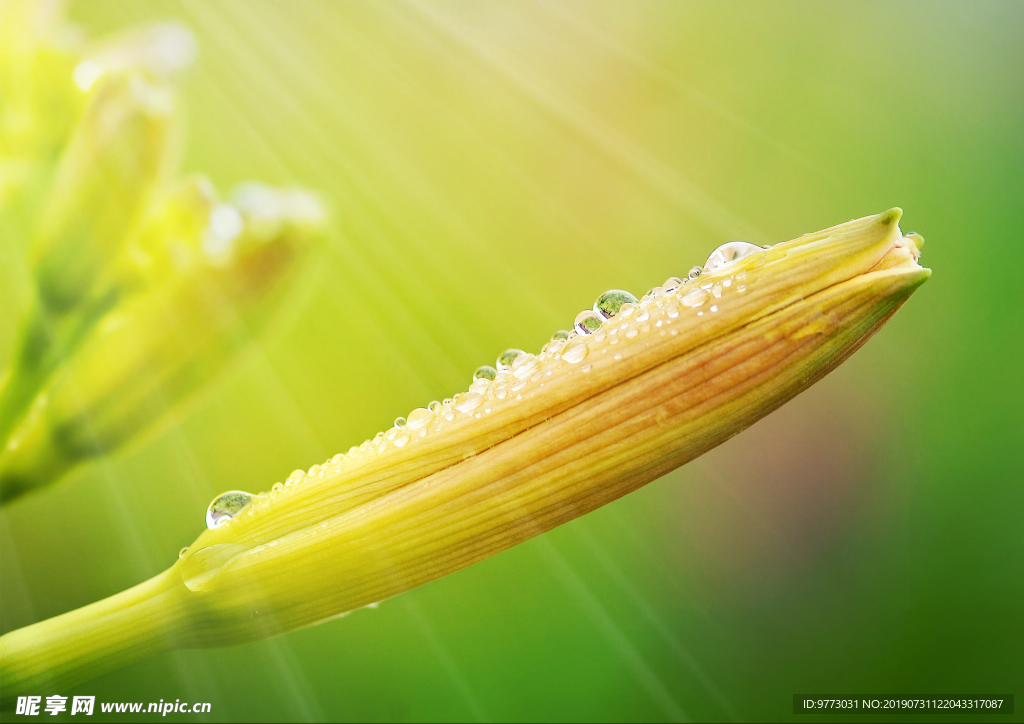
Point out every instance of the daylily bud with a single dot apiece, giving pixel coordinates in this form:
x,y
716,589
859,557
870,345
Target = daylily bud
x,y
170,334
119,151
39,103
546,438
159,50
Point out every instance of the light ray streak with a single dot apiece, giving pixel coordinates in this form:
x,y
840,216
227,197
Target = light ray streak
x,y
644,63
677,647
618,146
604,623
400,315
448,663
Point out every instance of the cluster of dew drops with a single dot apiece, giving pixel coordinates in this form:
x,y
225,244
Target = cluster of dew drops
x,y
515,369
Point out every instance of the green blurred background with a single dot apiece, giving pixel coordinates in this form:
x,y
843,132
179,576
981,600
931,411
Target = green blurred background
x,y
491,168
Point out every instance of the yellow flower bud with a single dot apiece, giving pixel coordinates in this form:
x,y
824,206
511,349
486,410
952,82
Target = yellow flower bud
x,y
120,150
541,440
190,299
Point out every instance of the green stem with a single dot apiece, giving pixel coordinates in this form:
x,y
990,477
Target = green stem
x,y
60,652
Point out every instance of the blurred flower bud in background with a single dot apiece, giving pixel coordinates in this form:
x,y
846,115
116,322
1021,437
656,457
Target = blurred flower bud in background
x,y
141,288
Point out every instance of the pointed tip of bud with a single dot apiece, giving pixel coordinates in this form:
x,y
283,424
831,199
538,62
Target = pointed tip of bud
x,y
891,217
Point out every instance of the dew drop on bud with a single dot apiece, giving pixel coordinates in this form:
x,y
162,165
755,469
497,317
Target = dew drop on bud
x,y
434,406
468,401
575,351
609,303
419,418
505,358
560,334
730,252
694,272
524,366
671,284
226,506
485,372
399,422
587,322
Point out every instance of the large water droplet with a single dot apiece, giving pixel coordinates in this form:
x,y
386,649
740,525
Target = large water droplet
x,y
609,303
575,351
468,401
419,418
524,366
694,298
553,347
486,372
730,252
671,284
506,357
587,322
226,506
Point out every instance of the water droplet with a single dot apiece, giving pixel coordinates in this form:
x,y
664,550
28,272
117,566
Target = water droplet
x,y
587,322
729,252
717,291
295,477
714,307
434,406
694,298
506,358
575,351
631,333
694,272
671,284
314,470
560,334
400,422
226,506
401,438
524,366
480,385
419,418
277,487
468,401
553,347
486,372
587,368
642,314
618,356
609,303
182,552
626,310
